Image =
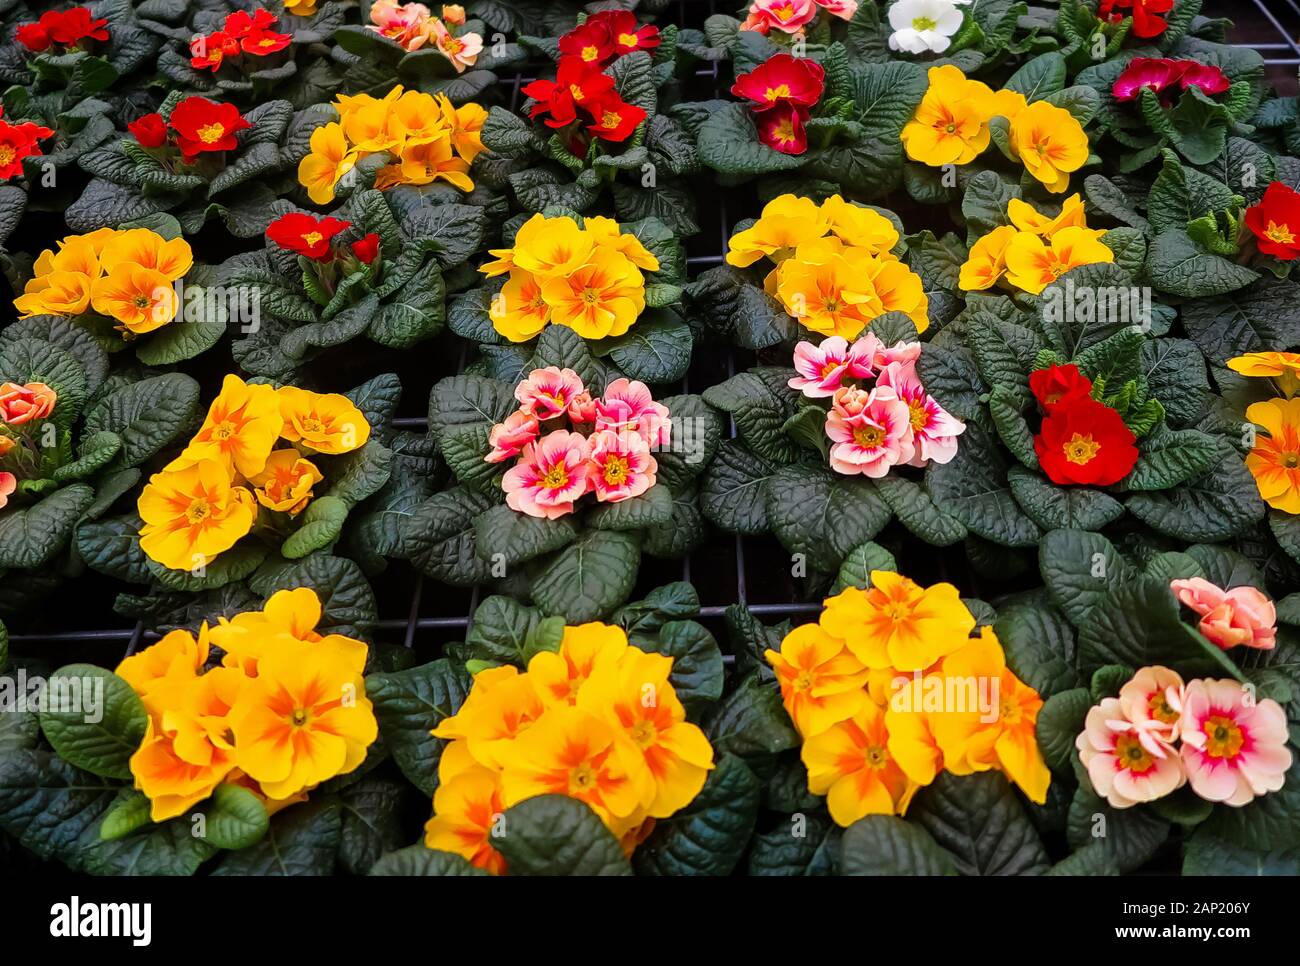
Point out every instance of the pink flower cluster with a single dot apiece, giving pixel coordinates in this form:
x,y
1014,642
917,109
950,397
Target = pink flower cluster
x,y
1161,734
871,430
569,444
791,16
1160,74
1242,615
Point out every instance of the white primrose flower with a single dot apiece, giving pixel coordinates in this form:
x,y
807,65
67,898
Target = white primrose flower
x,y
923,25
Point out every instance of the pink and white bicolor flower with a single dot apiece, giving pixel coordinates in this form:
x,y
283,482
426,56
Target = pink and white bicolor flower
x,y
1126,764
621,466
1234,744
510,437
547,393
869,436
822,368
551,475
628,407
935,428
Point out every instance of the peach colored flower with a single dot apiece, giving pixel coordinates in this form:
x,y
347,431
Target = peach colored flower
x,y
8,483
628,406
23,404
510,437
787,16
453,13
1153,702
462,51
621,465
407,24
935,429
1234,745
582,408
546,393
874,439
550,476
1242,615
823,367
1125,764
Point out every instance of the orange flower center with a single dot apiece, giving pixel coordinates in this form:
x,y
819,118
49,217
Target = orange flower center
x,y
1009,711
583,777
1224,737
223,431
627,40
591,295
452,45
299,717
6,154
1160,709
1281,234
1291,460
1080,449
611,119
198,511
828,369
576,91
644,733
804,681
778,92
211,133
616,470
140,301
783,12
555,477
313,238
1131,755
918,417
784,131
868,436
877,757
311,424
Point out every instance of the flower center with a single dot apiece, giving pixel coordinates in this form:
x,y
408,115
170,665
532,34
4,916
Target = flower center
x,y
6,154
197,511
868,436
1009,711
924,23
1080,449
583,777
877,757
917,415
778,92
299,717
1281,234
804,681
311,424
611,119
1160,709
950,128
555,477
616,470
591,295
590,53
1224,737
829,369
1291,460
784,131
575,91
452,45
644,734
211,133
1131,755
627,40
223,431
313,238
140,301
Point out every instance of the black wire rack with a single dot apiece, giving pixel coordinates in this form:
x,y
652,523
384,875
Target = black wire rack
x,y
421,614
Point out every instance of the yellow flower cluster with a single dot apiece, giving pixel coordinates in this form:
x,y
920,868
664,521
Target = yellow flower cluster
x,y
425,135
285,710
587,277
597,720
1035,249
206,499
835,268
888,688
125,274
1274,459
951,126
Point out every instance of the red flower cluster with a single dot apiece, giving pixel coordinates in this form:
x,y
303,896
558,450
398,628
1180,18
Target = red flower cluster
x,y
67,29
1081,440
312,237
1275,222
1160,74
1147,22
780,91
582,86
18,141
199,126
239,34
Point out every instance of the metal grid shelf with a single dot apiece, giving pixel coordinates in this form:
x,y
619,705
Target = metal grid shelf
x,y
420,613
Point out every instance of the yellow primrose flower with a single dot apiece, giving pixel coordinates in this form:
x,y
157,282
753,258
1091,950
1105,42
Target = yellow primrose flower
x,y
1050,143
569,751
552,246
821,681
425,162
286,482
950,125
896,623
159,670
785,222
76,253
859,226
898,289
367,129
826,296
193,514
171,258
239,431
55,293
607,234
584,649
198,720
1275,459
600,298
499,710
324,422
172,784
140,299
329,159
1028,218
416,116
987,261
851,765
1007,742
304,719
912,743
287,613
300,8
1283,367
465,818
348,104
520,311
1033,264
634,694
